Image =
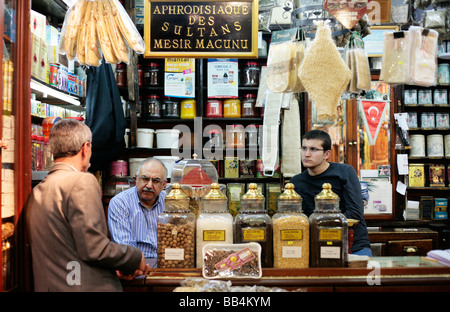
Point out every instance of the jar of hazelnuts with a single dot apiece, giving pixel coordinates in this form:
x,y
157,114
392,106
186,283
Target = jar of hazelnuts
x,y
176,232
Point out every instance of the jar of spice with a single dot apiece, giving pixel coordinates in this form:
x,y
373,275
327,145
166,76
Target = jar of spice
x,y
248,106
253,224
329,231
188,109
215,140
235,136
251,73
176,231
154,106
170,108
232,108
121,75
140,75
152,75
214,223
48,159
214,108
290,231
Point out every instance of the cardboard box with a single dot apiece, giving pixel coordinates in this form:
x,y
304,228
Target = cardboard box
x,y
416,176
38,23
35,54
437,175
440,209
43,61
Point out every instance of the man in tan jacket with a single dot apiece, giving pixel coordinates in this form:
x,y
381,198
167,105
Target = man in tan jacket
x,y
67,225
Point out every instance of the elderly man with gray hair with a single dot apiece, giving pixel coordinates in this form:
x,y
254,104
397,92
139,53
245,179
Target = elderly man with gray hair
x,y
132,214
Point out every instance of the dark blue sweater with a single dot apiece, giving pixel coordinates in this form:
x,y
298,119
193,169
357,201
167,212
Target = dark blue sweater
x,y
345,183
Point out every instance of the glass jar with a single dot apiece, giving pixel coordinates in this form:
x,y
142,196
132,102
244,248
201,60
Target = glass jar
x,y
232,108
214,223
40,154
214,109
188,109
215,140
235,136
34,151
290,231
251,73
48,160
176,231
121,75
170,108
152,75
153,106
253,224
248,106
329,231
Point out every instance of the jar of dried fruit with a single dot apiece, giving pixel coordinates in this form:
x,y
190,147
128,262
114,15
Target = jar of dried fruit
x,y
329,231
253,224
290,231
176,231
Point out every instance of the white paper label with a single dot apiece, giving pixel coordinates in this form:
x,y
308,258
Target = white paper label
x,y
291,252
174,254
327,252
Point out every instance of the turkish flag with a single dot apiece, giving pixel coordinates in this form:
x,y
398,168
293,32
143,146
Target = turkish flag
x,y
373,113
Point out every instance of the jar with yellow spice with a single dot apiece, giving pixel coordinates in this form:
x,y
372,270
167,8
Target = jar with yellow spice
x,y
290,231
176,231
329,231
253,225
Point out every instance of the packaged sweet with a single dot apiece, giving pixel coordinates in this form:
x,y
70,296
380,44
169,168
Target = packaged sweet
x,y
232,261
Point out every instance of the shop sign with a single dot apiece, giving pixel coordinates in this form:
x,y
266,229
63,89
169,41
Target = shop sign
x,y
201,29
348,13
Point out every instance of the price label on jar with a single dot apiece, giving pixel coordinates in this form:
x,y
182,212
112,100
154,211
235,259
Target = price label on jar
x,y
174,254
253,235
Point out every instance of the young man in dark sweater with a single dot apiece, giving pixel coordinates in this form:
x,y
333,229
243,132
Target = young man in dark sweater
x,y
316,149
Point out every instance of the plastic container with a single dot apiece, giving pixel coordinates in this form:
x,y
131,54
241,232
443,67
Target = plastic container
x,y
153,106
188,109
232,108
170,108
214,223
167,138
253,224
119,180
290,231
214,108
144,138
235,136
329,231
48,123
248,106
176,232
250,74
169,162
134,165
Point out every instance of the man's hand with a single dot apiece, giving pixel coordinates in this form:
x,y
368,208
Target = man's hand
x,y
142,270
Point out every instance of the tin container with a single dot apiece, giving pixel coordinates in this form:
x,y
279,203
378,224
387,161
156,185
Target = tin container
x,y
232,108
417,145
435,145
447,145
188,109
214,108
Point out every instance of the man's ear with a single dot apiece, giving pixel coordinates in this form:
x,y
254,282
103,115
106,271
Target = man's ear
x,y
327,154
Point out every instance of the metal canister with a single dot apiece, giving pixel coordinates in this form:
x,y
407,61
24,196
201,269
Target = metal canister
x,y
444,73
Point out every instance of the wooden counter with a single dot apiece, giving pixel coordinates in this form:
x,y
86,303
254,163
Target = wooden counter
x,y
390,274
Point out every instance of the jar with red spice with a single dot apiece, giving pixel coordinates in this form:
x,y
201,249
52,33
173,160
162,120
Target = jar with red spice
x,y
121,75
248,106
214,108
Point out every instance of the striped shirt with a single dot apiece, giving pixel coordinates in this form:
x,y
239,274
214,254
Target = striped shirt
x,y
131,223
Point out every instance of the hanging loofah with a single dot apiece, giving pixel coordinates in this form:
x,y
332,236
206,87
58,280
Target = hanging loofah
x,y
324,73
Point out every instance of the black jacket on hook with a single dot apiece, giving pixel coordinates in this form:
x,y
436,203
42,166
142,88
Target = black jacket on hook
x,y
104,116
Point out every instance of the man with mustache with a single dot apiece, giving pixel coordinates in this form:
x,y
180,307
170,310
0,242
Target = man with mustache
x,y
132,214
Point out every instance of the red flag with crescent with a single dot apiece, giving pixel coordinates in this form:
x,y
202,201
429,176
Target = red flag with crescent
x,y
373,113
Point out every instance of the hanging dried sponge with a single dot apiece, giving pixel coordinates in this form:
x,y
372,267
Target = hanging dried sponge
x,y
324,73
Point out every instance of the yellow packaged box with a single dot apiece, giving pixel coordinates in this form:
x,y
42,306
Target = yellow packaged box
x,y
416,175
231,167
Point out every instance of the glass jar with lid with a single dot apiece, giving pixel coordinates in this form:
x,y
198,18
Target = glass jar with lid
x,y
248,106
152,75
290,231
170,108
251,73
214,108
153,106
328,230
214,223
235,136
176,231
253,224
232,108
121,75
